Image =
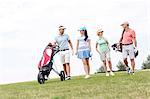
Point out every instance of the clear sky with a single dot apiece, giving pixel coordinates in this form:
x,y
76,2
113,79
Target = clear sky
x,y
26,27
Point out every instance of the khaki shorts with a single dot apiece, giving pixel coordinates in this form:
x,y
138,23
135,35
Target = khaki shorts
x,y
128,50
105,55
64,56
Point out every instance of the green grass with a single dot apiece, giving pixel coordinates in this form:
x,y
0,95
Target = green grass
x,y
121,86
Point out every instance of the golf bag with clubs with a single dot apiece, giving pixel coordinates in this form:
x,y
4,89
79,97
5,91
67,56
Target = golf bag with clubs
x,y
46,64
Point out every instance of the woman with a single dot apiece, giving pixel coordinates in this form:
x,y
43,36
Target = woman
x,y
83,50
104,52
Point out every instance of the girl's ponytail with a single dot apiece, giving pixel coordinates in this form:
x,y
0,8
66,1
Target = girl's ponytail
x,y
86,35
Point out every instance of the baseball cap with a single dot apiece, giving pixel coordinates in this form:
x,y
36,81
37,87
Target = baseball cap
x,y
125,23
62,27
82,28
100,30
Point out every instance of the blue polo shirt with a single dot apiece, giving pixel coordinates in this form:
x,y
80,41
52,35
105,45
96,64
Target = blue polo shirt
x,y
62,41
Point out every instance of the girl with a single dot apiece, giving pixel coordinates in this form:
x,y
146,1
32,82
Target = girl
x,y
83,50
104,52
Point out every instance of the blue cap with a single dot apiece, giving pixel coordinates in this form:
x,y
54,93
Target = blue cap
x,y
82,28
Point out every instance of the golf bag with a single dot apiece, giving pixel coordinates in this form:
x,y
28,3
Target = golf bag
x,y
46,64
118,47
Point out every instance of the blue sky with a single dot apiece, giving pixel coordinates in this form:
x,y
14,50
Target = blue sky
x,y
28,25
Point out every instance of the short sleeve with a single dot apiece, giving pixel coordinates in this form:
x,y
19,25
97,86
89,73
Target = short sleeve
x,y
89,38
55,39
106,39
133,34
97,39
78,38
67,36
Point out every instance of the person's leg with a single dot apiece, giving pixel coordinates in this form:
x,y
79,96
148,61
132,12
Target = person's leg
x,y
127,66
64,66
126,62
88,65
85,66
133,65
62,59
132,57
103,59
105,66
110,65
68,69
67,63
109,60
125,53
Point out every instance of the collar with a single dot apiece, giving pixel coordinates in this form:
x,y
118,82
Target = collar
x,y
61,35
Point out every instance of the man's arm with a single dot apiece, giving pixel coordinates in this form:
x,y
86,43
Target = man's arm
x,y
77,47
135,42
55,41
70,43
134,38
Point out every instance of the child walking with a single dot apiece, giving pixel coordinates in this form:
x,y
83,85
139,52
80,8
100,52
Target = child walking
x,y
102,47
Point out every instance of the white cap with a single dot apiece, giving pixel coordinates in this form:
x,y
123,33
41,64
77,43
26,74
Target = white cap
x,y
62,27
125,23
100,30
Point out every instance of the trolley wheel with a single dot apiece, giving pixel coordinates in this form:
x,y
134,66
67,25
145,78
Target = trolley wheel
x,y
62,75
41,79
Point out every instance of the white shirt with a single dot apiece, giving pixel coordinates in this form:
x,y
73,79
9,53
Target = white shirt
x,y
83,45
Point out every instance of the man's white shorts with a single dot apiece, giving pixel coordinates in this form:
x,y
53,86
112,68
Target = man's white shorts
x,y
128,50
64,56
105,55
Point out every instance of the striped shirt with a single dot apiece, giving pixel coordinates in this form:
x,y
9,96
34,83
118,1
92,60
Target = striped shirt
x,y
83,45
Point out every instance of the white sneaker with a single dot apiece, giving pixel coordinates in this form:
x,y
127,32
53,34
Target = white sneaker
x,y
107,74
68,78
132,72
128,70
87,76
112,74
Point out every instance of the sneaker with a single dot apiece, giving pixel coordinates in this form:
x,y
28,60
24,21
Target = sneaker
x,y
132,73
128,70
87,76
112,74
107,74
68,78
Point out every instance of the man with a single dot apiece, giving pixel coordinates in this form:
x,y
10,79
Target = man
x,y
129,42
63,40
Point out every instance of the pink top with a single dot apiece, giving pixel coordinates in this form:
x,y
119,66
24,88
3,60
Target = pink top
x,y
128,36
46,57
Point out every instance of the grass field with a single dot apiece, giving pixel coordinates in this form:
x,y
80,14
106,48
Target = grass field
x,y
121,86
